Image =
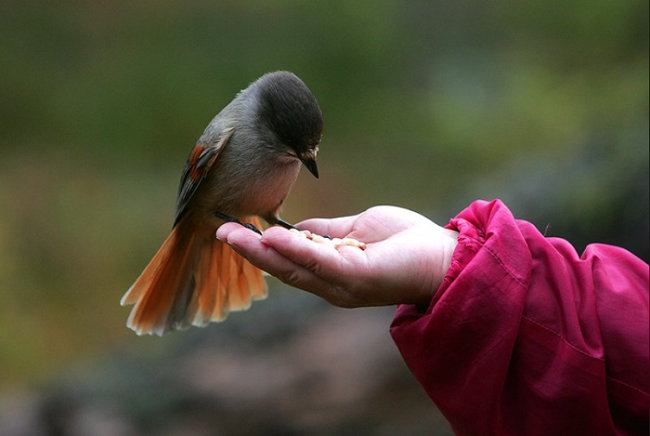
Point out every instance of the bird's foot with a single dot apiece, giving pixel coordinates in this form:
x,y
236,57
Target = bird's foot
x,y
282,223
229,219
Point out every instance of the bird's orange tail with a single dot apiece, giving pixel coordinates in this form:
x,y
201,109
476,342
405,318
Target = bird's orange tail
x,y
191,281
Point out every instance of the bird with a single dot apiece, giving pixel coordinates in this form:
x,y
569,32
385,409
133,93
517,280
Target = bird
x,y
241,169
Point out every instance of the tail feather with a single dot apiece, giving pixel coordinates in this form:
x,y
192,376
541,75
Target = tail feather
x,y
206,295
191,281
160,294
244,283
257,284
135,291
239,299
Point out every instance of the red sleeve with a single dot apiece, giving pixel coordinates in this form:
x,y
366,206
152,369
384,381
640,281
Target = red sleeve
x,y
524,337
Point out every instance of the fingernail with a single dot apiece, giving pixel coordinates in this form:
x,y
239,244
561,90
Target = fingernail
x,y
222,235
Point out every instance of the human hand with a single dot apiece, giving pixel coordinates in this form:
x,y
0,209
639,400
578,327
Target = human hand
x,y
405,259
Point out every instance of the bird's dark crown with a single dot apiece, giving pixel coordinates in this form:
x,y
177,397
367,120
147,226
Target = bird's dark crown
x,y
291,111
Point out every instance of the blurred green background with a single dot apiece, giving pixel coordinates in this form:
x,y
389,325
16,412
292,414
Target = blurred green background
x,y
428,105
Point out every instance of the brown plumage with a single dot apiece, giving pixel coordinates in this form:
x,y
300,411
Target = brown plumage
x,y
192,281
242,168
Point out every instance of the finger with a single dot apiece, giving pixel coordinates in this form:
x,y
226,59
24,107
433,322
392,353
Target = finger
x,y
335,227
250,245
226,229
322,259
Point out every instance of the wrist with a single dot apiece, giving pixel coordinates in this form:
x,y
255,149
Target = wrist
x,y
451,242
445,242
448,246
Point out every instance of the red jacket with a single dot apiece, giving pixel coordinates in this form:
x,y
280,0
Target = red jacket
x,y
526,338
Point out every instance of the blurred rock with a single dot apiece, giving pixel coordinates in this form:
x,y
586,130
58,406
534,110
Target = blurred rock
x,y
19,415
291,366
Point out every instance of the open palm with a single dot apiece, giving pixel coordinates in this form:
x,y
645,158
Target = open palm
x,y
405,260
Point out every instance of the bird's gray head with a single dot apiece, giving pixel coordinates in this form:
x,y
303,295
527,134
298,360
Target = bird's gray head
x,y
290,110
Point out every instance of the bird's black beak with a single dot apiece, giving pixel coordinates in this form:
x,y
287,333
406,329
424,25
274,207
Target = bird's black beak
x,y
310,164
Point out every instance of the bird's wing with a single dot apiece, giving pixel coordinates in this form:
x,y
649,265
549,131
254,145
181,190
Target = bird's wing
x,y
201,160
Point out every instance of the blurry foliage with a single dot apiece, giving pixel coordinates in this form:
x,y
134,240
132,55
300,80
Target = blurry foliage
x,y
428,105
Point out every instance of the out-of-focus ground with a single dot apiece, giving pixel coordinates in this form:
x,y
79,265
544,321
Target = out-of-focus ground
x,y
428,105
300,368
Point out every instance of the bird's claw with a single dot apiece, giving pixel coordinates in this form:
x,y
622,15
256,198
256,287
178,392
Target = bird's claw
x,y
229,219
253,228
